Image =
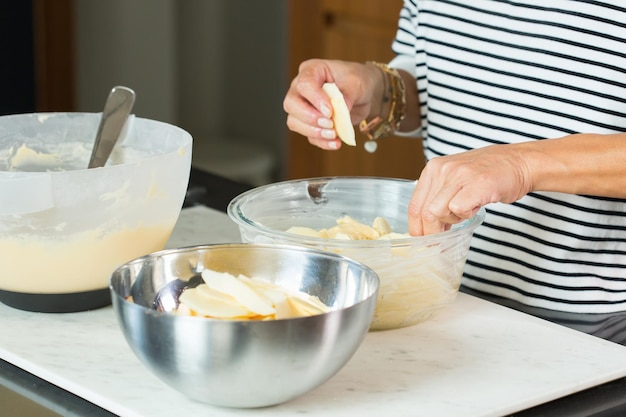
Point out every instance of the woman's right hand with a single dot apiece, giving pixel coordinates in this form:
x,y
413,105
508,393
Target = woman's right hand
x,y
309,111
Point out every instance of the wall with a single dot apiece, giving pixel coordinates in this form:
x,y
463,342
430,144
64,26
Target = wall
x,y
129,43
217,68
17,72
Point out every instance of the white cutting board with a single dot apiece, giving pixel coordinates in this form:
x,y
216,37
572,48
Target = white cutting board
x,y
475,358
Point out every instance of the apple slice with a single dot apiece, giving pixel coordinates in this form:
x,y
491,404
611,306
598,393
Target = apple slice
x,y
381,225
341,114
306,307
242,293
213,305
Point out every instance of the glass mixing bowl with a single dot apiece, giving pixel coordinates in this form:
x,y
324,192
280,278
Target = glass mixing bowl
x,y
418,275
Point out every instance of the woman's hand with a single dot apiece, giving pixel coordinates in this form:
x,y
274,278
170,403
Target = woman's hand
x,y
308,108
453,188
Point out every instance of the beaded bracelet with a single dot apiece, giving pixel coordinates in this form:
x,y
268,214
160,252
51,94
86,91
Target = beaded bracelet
x,y
394,91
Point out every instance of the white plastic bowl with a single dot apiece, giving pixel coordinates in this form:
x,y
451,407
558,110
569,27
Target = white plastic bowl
x,y
64,228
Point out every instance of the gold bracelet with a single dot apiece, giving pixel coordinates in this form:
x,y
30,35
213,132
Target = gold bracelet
x,y
394,91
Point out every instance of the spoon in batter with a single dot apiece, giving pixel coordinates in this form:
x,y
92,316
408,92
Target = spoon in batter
x,y
117,108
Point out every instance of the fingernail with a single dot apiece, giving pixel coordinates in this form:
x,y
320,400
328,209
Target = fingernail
x,y
329,134
333,145
326,111
325,123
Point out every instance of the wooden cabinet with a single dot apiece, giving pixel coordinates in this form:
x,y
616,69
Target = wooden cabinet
x,y
355,30
53,31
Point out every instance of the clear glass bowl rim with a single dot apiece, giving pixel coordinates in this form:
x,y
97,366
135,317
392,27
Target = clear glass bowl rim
x,y
236,214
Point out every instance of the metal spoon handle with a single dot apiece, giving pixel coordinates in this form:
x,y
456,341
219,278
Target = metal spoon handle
x,y
117,108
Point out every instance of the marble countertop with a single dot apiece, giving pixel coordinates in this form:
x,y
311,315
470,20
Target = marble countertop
x,y
475,358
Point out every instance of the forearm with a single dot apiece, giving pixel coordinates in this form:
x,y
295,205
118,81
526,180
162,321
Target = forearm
x,y
413,118
587,164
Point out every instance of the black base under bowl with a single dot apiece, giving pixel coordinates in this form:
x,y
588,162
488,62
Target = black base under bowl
x,y
57,303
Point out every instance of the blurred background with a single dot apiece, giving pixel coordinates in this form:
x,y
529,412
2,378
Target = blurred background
x,y
217,68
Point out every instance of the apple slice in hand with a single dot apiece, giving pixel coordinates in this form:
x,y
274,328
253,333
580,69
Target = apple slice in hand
x,y
341,114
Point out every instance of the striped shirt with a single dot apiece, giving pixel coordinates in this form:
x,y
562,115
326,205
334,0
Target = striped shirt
x,y
507,71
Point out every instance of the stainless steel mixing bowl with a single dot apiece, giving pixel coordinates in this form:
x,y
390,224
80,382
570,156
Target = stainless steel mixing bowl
x,y
240,363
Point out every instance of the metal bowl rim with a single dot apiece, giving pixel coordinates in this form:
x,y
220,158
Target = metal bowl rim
x,y
276,247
